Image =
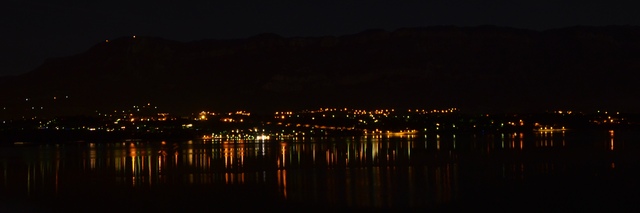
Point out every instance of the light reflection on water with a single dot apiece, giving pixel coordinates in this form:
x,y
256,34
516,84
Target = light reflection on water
x,y
372,171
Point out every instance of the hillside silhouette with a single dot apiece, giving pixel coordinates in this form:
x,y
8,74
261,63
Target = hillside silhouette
x,y
477,69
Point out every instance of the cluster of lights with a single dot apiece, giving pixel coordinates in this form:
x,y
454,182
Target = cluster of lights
x,y
519,123
326,110
568,112
374,112
244,137
423,111
244,113
389,132
362,121
284,113
231,120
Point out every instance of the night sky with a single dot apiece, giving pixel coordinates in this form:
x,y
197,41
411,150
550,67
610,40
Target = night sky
x,y
34,30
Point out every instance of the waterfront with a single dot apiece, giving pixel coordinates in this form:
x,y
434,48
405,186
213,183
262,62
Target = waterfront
x,y
523,170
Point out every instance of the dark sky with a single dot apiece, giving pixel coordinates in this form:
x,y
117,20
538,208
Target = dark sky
x,y
33,30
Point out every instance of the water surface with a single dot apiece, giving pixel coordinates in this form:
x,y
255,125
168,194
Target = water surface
x,y
515,171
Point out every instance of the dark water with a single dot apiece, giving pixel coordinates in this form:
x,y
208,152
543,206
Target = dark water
x,y
572,171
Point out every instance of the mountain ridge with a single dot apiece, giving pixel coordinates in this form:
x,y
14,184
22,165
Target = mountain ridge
x,y
481,69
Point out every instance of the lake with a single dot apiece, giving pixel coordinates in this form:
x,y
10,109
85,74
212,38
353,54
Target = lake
x,y
557,171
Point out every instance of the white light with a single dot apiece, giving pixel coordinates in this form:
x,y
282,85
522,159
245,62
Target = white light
x,y
262,137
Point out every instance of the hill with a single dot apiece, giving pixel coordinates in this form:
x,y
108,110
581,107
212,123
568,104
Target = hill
x,y
477,69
